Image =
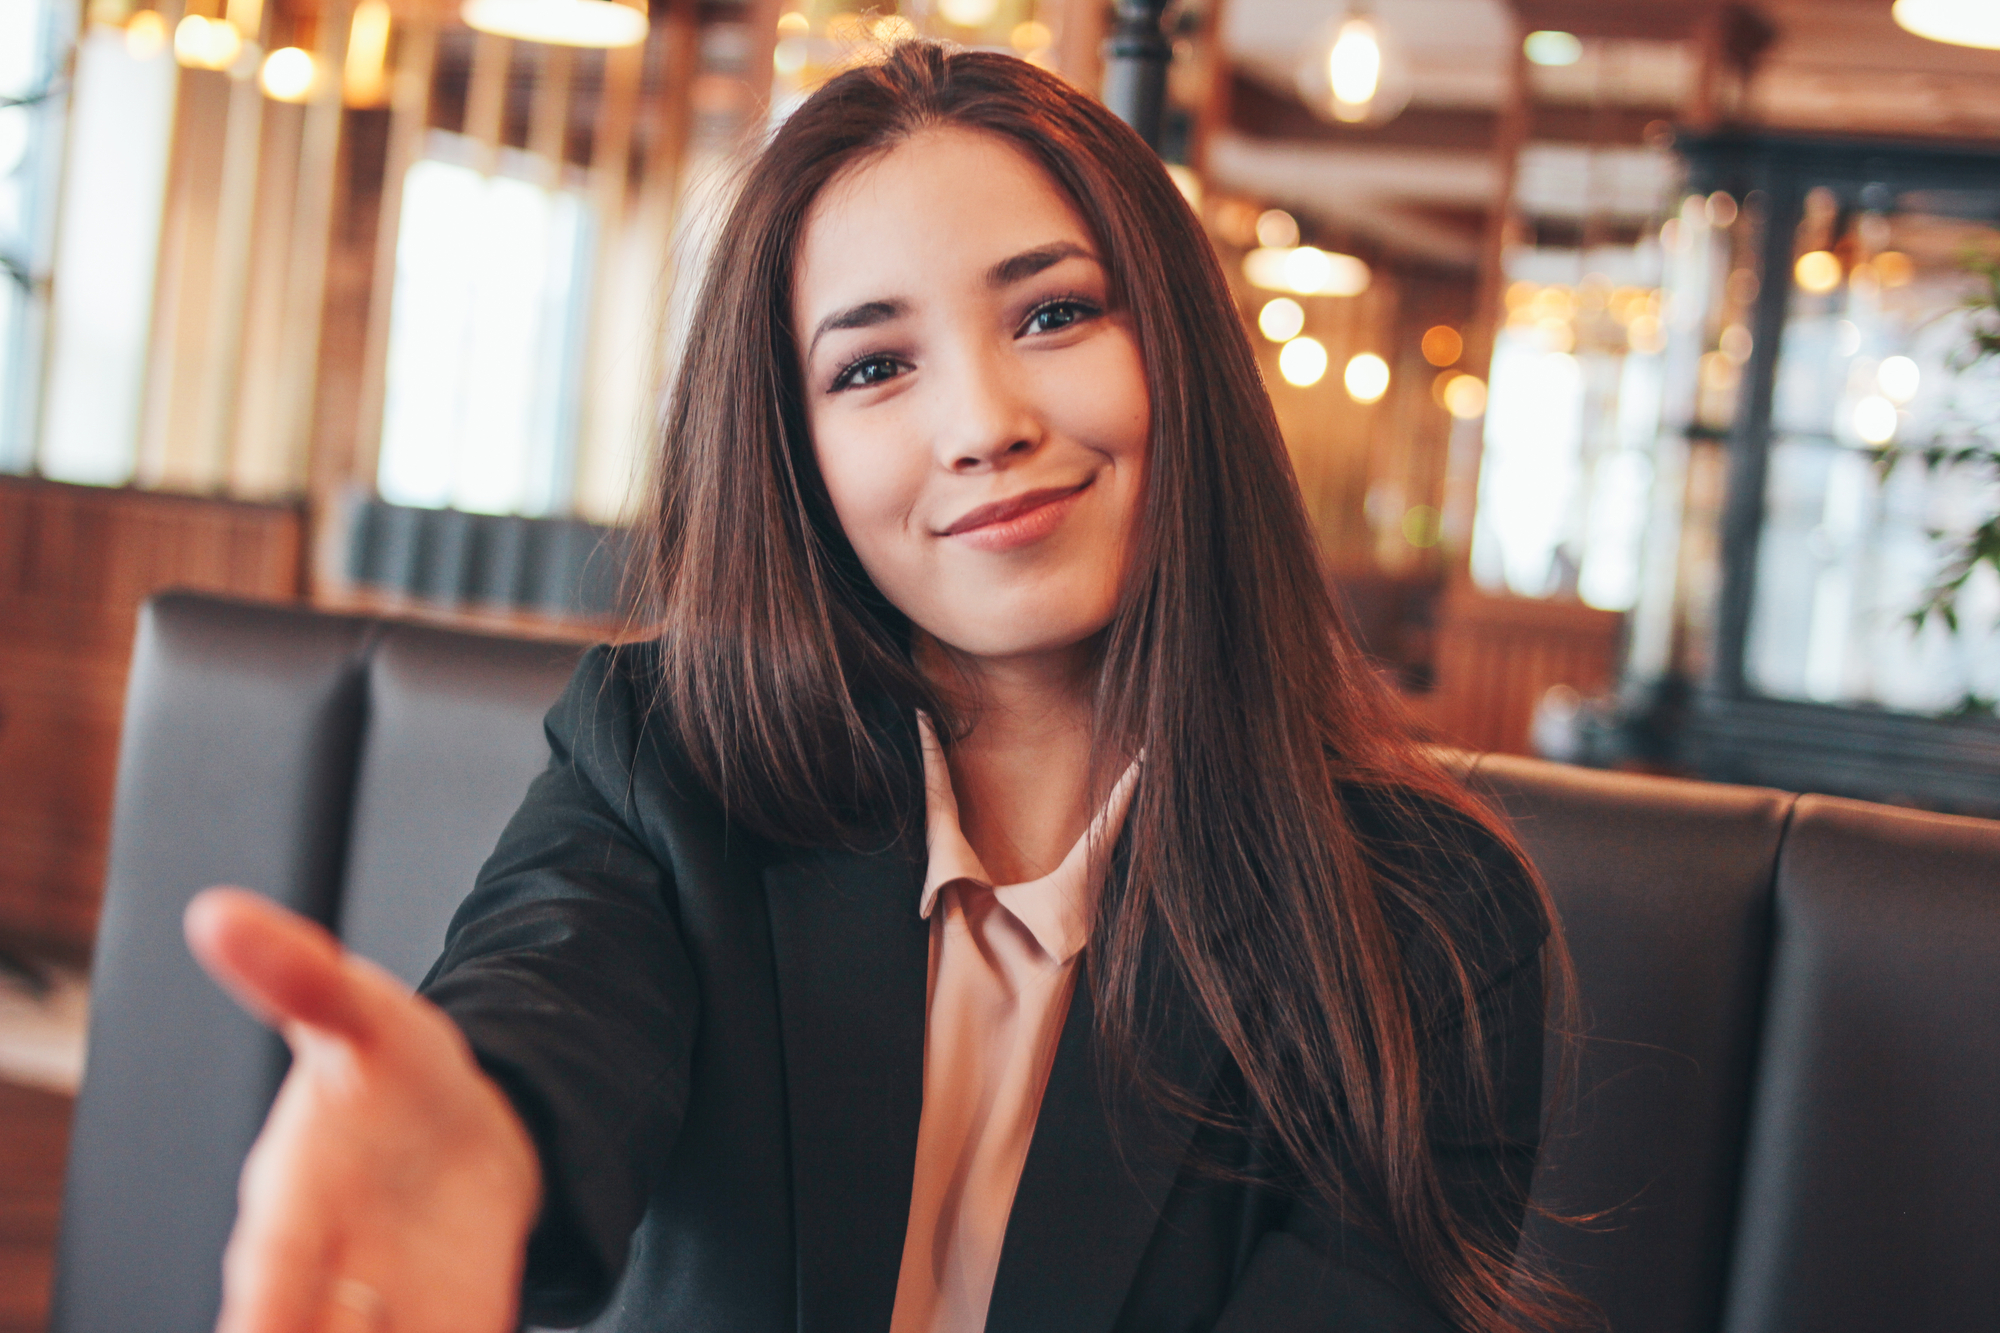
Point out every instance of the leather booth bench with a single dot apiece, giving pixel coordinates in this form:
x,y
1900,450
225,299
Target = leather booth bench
x,y
1787,1115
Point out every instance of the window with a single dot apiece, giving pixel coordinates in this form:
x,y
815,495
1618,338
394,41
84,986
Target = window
x,y
101,302
1567,469
33,35
486,335
1872,355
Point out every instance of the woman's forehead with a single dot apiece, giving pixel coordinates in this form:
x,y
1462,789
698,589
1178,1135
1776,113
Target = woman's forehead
x,y
945,202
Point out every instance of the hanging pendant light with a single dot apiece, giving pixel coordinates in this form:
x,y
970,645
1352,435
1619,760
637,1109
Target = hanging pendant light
x,y
1356,73
1959,22
601,23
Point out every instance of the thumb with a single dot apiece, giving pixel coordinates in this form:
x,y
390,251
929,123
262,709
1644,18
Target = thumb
x,y
277,964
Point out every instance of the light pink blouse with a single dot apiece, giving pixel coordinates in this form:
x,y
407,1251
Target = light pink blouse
x,y
1003,962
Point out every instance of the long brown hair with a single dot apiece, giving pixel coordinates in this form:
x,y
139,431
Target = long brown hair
x,y
1226,664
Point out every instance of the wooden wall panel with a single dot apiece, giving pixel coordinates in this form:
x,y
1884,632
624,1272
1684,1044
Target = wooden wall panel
x,y
75,562
34,1144
1497,656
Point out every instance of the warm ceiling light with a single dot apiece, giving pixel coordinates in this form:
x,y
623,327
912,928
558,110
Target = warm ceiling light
x,y
1959,22
1442,344
365,77
1302,362
1898,378
1281,319
288,75
1875,420
1354,68
204,43
602,23
1277,229
1549,47
969,13
1818,271
1465,397
1306,271
145,34
1367,377
1355,71
1030,36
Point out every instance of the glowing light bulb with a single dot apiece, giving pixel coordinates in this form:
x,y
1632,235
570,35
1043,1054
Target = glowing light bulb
x,y
1875,420
203,43
1307,269
969,13
1030,36
592,23
1959,22
1354,66
1817,271
288,75
1465,397
1302,361
1550,47
364,77
1442,344
1898,378
145,35
1277,229
1367,378
1281,319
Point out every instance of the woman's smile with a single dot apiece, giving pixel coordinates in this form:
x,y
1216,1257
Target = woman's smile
x,y
1022,520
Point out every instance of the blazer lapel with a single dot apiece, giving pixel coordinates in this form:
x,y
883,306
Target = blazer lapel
x,y
1098,1171
853,965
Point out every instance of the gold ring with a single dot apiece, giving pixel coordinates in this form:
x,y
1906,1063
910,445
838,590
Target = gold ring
x,y
357,1297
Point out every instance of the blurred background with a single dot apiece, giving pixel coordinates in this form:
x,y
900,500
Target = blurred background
x,y
1639,359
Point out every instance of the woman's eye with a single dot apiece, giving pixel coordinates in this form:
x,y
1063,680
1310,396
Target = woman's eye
x,y
1057,315
869,370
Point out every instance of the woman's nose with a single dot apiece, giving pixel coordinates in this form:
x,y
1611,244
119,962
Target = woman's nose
x,y
987,421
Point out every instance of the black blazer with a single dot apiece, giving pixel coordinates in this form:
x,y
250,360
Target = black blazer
x,y
717,1046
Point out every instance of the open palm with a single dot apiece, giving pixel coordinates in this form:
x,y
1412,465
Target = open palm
x,y
393,1186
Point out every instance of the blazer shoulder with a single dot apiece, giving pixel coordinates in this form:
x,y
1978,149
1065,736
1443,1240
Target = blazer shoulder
x,y
610,725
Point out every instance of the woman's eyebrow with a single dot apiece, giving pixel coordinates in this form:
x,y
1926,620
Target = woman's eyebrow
x,y
864,316
1003,274
1030,262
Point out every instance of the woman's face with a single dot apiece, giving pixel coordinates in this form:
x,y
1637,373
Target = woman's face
x,y
978,411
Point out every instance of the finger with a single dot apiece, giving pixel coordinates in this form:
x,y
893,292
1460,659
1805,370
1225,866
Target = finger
x,y
274,1280
278,965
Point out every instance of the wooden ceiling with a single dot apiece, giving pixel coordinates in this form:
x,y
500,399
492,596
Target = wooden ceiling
x,y
1791,66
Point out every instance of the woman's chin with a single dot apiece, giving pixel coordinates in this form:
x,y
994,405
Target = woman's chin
x,y
1024,638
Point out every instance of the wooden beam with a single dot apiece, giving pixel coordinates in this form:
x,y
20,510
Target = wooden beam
x,y
409,111
1262,112
312,222
548,115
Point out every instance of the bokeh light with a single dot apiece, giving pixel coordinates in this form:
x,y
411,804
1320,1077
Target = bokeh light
x,y
1281,319
1366,377
1302,362
1442,345
1817,271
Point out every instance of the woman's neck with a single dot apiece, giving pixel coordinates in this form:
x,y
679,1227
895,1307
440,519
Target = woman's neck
x,y
1022,773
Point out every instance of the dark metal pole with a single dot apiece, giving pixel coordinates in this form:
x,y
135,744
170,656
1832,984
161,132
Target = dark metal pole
x,y
1135,67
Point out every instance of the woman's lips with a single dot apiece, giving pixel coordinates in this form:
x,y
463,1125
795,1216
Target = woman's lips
x,y
1007,524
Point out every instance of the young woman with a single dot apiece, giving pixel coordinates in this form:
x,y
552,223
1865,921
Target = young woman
x,y
999,897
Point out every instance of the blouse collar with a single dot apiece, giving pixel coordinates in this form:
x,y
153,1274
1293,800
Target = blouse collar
x,y
1057,908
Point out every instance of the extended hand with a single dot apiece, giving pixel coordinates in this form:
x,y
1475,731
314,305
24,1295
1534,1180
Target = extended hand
x,y
393,1186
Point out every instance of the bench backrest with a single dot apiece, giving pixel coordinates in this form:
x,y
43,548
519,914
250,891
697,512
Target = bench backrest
x,y
1789,1064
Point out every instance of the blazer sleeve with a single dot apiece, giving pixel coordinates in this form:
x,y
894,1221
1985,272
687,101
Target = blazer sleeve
x,y
566,971
1312,1271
